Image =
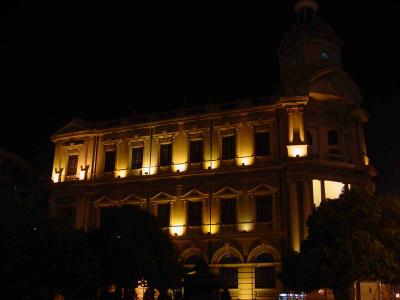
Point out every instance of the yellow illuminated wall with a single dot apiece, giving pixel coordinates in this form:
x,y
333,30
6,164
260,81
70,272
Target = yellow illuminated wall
x,y
178,217
245,142
327,188
180,153
317,192
246,213
333,189
213,228
297,150
213,160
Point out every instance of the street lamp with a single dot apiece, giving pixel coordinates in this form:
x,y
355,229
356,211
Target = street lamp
x,y
143,284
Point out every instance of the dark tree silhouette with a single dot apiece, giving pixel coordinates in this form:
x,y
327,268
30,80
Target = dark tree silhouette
x,y
355,237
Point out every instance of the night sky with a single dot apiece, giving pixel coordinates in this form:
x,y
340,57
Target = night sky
x,y
101,60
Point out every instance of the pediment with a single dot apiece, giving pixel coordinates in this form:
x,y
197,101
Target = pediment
x,y
66,201
74,126
194,194
227,192
132,199
162,196
105,201
262,189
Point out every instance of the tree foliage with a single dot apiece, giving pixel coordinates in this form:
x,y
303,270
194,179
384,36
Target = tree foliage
x,y
355,237
37,259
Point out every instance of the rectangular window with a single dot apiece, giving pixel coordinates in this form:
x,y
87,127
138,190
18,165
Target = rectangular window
x,y
262,143
109,163
196,151
195,213
165,154
265,278
111,216
137,158
228,147
163,214
228,211
65,217
72,165
108,217
264,208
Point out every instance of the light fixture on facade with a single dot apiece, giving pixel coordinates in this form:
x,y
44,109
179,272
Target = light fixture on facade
x,y
297,150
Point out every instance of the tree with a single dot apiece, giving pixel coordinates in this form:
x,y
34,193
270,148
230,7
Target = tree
x,y
355,237
132,247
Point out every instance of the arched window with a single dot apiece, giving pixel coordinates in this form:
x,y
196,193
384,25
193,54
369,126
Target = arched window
x,y
333,138
229,275
333,143
265,276
193,260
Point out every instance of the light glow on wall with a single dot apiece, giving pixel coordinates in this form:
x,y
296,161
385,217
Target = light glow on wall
x,y
213,164
247,227
121,173
149,170
56,177
317,192
82,174
180,167
333,189
177,230
245,161
214,229
297,150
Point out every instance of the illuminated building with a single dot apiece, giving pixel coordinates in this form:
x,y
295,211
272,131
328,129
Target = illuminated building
x,y
233,183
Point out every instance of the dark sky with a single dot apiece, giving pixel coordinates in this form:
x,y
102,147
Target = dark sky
x,y
101,60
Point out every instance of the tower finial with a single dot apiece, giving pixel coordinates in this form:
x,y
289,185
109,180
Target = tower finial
x,y
305,5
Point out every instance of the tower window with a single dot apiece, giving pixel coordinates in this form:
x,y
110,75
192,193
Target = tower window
x,y
165,154
137,158
333,143
262,143
333,138
228,147
196,151
72,165
324,55
109,164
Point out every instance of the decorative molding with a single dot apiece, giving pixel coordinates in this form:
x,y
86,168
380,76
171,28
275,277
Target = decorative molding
x,y
227,192
226,249
194,194
105,201
165,137
263,189
261,249
162,196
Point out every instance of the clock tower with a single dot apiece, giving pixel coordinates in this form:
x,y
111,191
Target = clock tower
x,y
309,47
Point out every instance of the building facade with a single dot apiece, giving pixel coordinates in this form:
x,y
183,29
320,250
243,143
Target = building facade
x,y
232,183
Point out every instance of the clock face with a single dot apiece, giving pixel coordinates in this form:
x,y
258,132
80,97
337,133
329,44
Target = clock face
x,y
324,55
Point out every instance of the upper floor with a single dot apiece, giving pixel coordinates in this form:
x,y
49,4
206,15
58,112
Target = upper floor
x,y
211,139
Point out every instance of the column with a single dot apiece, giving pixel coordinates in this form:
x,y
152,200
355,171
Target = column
x,y
307,205
294,217
245,283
